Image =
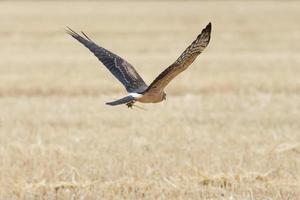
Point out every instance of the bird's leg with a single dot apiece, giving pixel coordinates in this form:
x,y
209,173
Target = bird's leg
x,y
130,104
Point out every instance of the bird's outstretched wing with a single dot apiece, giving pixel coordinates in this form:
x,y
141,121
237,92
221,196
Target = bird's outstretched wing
x,y
185,59
119,67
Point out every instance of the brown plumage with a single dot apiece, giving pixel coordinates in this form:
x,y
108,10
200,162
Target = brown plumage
x,y
132,81
182,63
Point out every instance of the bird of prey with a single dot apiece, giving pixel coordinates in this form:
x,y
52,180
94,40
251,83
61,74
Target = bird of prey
x,y
136,87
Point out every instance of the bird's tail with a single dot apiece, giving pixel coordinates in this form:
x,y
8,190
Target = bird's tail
x,y
123,100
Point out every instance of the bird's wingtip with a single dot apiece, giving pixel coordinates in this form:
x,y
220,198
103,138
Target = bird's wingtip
x,y
206,30
69,30
208,26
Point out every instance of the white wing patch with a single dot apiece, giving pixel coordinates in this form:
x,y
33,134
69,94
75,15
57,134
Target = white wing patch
x,y
136,95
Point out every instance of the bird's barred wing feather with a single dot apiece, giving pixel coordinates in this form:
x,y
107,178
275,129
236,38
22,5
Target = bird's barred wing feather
x,y
119,67
185,59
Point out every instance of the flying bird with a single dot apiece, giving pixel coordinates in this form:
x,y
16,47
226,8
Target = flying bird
x,y
136,87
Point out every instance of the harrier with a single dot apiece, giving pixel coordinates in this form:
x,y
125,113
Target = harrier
x,y
136,87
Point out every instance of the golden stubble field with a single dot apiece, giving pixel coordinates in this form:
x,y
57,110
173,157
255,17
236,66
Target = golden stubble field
x,y
230,128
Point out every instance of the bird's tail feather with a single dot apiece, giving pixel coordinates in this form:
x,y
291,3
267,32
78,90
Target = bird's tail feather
x,y
123,100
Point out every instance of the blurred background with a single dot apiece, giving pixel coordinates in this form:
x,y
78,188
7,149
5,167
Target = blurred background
x,y
229,128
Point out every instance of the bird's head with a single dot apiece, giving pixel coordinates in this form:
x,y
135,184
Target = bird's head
x,y
164,96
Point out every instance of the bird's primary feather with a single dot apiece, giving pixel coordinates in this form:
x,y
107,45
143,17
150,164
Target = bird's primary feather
x,y
119,67
185,59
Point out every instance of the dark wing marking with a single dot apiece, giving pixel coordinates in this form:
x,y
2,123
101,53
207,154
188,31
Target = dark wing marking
x,y
185,59
123,100
119,67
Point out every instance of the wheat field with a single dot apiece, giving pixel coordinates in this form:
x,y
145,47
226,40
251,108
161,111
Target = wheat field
x,y
229,129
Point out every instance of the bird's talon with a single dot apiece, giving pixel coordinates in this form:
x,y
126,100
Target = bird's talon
x,y
130,104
